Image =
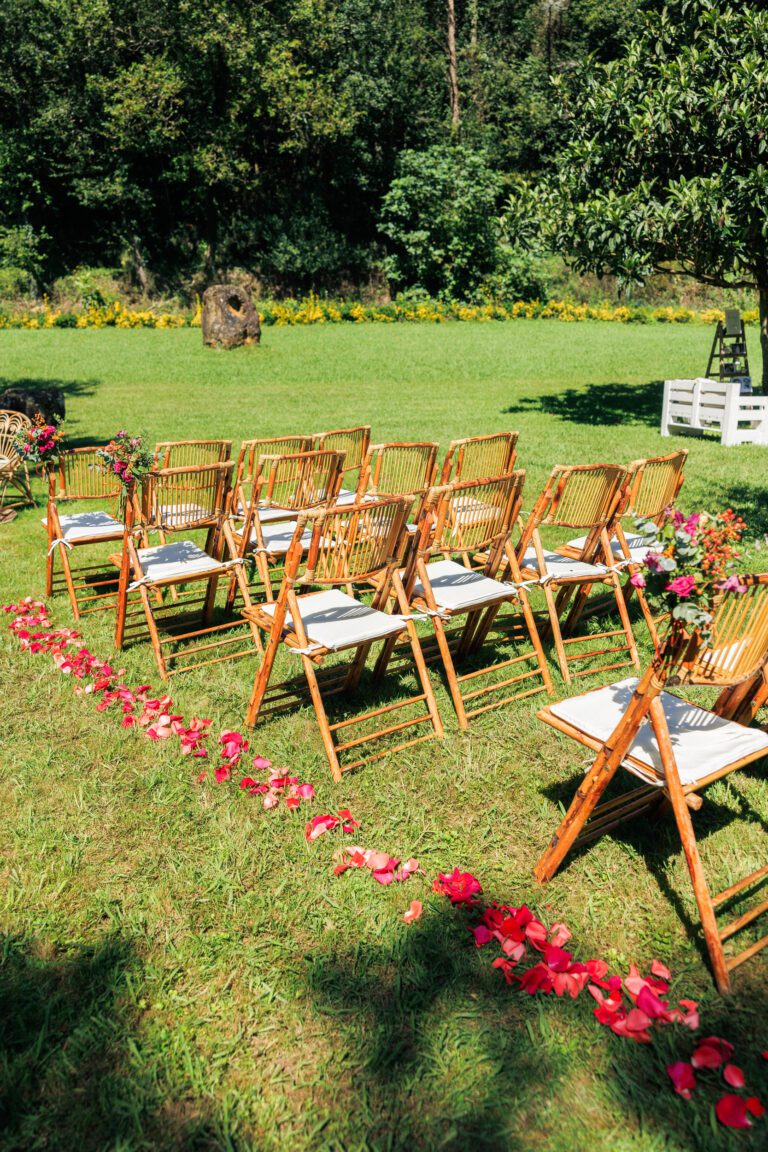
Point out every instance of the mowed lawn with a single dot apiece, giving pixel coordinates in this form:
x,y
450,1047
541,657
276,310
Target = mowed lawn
x,y
180,970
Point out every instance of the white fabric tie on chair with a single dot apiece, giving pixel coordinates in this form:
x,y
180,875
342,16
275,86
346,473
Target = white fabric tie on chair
x,y
59,541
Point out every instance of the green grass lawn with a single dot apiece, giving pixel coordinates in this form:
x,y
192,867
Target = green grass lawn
x,y
180,970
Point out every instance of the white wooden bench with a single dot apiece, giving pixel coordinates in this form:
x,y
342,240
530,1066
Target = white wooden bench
x,y
698,406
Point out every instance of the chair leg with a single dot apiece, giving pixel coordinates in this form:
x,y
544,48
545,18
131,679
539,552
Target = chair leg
x,y
595,782
423,674
450,670
690,848
261,681
49,562
322,718
70,582
554,628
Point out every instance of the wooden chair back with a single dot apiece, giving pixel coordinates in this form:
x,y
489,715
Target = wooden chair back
x,y
296,481
471,515
478,456
399,469
190,453
11,423
81,474
583,496
351,442
353,544
738,646
654,484
184,499
249,460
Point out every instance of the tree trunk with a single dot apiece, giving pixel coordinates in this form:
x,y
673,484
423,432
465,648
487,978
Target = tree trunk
x,y
453,71
762,292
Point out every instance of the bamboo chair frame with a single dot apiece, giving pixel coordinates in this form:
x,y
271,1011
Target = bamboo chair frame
x,y
353,443
653,485
586,496
357,545
470,519
249,459
283,486
475,457
735,661
190,453
13,470
81,477
399,468
201,492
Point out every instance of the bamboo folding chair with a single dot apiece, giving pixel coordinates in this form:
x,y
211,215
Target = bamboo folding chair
x,y
190,453
467,519
586,496
652,487
478,456
353,443
356,545
249,459
399,469
13,470
178,501
283,486
80,478
675,748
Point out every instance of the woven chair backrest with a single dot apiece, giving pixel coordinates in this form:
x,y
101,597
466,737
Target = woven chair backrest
x,y
183,499
472,515
399,469
12,422
478,456
190,453
583,496
351,442
81,474
654,484
297,481
352,544
739,642
251,452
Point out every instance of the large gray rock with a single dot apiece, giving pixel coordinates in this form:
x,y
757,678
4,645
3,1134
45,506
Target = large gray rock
x,y
229,317
31,398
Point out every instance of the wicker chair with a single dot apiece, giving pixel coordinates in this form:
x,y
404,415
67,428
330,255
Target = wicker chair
x,y
479,456
588,497
13,470
191,453
460,522
675,748
652,487
80,478
283,486
358,545
353,443
177,502
249,460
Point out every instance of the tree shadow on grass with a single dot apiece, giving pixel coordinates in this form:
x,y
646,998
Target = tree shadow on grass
x,y
614,403
443,1054
68,1079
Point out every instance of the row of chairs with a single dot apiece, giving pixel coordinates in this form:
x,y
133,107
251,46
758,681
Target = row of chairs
x,y
362,572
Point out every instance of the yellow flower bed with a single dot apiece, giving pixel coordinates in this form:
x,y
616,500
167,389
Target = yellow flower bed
x,y
313,309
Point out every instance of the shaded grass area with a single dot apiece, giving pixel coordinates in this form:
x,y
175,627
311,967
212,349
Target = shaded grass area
x,y
181,970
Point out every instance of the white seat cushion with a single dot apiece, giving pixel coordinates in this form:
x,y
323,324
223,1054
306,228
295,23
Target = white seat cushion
x,y
457,588
335,621
4,461
177,561
702,742
560,567
639,546
81,525
277,536
172,514
345,497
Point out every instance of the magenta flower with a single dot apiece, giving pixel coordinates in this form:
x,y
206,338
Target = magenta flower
x,y
637,580
682,586
733,584
691,525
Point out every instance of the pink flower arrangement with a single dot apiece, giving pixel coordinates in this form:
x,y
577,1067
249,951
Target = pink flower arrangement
x,y
39,444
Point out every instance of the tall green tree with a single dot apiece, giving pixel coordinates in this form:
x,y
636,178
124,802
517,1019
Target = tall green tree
x,y
667,162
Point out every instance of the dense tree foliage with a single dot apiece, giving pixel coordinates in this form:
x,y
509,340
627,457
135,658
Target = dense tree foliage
x,y
182,139
667,159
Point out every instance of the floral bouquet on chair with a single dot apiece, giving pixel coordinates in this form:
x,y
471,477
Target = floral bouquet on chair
x,y
40,444
689,565
127,458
